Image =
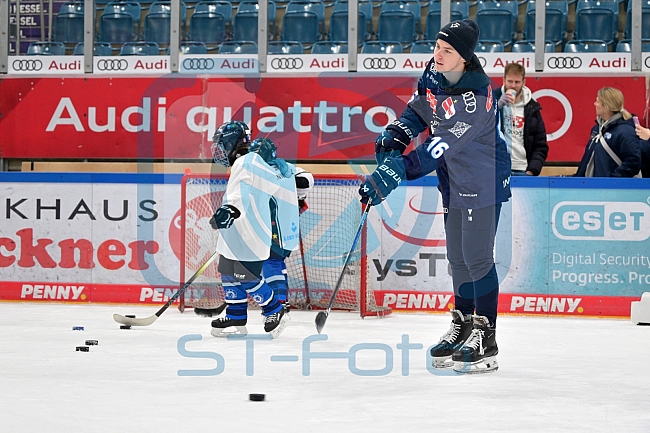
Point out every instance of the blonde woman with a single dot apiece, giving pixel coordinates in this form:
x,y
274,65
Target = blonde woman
x,y
614,129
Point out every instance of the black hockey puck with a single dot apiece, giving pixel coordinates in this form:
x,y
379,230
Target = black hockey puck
x,y
125,327
77,328
256,397
83,349
92,342
132,316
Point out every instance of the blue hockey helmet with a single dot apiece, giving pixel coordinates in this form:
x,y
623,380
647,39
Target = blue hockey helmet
x,y
265,148
230,141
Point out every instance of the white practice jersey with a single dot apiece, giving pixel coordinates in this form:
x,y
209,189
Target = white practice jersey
x,y
286,218
251,185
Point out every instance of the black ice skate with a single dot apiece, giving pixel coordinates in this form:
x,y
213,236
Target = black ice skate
x,y
458,332
478,354
223,326
275,323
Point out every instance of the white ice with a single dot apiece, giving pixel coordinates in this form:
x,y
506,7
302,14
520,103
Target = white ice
x,y
555,375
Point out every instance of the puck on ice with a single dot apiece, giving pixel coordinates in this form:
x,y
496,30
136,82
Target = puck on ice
x,y
77,328
125,327
256,397
83,349
92,342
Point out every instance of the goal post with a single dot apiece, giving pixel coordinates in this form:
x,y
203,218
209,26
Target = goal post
x,y
327,230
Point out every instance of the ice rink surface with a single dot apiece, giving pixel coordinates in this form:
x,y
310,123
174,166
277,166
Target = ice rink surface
x,y
555,375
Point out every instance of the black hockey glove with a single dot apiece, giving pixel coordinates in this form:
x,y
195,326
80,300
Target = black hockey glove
x,y
383,180
224,217
396,136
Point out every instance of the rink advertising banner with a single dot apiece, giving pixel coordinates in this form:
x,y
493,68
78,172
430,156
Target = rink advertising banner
x,y
325,117
578,247
564,246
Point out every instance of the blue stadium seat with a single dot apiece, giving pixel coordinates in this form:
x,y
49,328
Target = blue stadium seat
x,y
329,47
316,6
252,6
433,18
157,28
381,47
301,27
208,27
72,7
222,7
412,6
489,47
241,47
68,28
165,7
193,47
245,26
645,22
99,49
339,27
555,27
585,46
396,26
423,46
596,20
46,49
139,48
285,47
495,25
529,47
365,6
116,28
132,8
625,46
508,5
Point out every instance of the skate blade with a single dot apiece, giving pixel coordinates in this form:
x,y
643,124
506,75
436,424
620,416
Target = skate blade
x,y
487,365
443,362
278,329
225,332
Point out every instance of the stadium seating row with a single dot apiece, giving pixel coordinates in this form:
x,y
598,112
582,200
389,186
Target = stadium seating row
x,y
212,22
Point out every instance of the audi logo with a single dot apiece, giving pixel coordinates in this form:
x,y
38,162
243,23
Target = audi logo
x,y
112,65
286,63
564,62
483,61
647,62
379,63
198,64
27,65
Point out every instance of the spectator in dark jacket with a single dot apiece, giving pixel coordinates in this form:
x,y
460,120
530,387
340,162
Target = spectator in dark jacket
x,y
615,126
521,122
644,143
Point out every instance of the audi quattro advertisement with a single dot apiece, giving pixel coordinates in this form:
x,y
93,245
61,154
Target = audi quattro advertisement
x,y
328,117
585,250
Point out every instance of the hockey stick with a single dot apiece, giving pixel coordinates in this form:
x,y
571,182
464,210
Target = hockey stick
x,y
132,321
210,312
321,317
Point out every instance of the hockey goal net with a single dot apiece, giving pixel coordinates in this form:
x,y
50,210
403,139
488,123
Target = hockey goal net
x,y
327,230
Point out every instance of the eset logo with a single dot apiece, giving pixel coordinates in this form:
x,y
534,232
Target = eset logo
x,y
603,221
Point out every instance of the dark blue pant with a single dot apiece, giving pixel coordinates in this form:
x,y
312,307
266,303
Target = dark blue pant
x,y
470,235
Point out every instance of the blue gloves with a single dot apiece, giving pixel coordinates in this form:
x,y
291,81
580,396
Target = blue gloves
x,y
224,217
383,180
396,136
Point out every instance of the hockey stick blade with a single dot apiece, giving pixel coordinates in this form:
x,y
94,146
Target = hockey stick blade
x,y
322,316
146,321
210,312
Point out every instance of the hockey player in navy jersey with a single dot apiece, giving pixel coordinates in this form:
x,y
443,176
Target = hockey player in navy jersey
x,y
454,103
244,222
